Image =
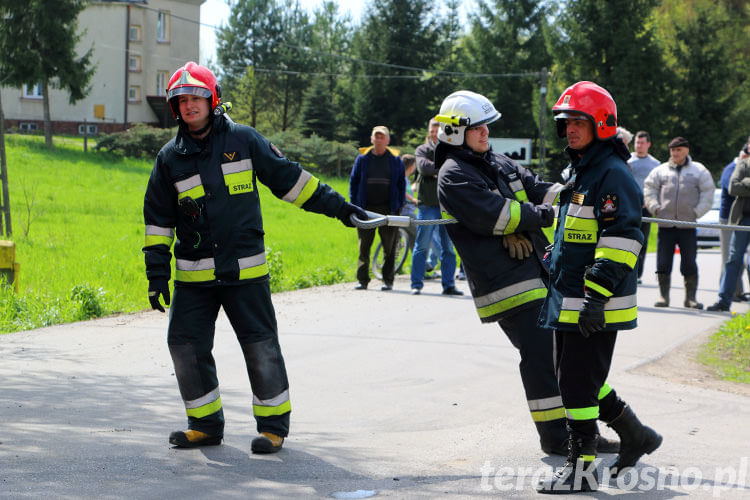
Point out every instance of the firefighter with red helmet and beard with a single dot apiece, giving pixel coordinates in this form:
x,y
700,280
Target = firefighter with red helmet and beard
x,y
593,285
203,192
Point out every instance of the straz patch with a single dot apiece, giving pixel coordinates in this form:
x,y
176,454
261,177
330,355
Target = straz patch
x,y
609,204
275,150
577,199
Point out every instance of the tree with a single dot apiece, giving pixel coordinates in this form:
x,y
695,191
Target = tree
x,y
395,36
318,116
507,38
613,44
248,40
41,37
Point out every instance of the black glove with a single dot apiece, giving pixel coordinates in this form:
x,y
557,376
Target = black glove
x,y
346,210
591,317
156,287
546,214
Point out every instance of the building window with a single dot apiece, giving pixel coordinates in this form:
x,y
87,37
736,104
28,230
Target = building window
x,y
34,92
162,80
134,63
162,26
27,126
135,33
88,129
134,93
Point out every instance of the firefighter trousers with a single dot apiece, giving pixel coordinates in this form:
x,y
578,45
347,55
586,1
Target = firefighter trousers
x,y
537,373
192,320
582,365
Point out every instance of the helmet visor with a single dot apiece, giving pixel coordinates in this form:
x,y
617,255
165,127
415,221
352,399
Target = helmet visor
x,y
189,90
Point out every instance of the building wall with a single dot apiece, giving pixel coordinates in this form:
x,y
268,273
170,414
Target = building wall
x,y
104,27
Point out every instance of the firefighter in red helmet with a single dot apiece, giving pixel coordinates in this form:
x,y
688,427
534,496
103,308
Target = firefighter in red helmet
x,y
592,291
202,196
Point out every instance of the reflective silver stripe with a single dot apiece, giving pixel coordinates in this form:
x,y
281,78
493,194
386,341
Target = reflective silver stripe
x,y
160,231
187,184
545,403
503,219
281,398
614,303
508,291
620,243
293,193
195,265
252,261
551,195
581,211
236,166
516,185
203,400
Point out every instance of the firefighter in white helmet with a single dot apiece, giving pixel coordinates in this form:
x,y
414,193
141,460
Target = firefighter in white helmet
x,y
501,208
202,196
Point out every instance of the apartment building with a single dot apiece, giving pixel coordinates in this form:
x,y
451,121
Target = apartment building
x,y
137,45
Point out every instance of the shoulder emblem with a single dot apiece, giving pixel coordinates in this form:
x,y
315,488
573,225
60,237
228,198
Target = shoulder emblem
x,y
609,203
275,150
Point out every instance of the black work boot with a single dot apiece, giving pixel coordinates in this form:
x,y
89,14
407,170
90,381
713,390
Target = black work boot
x,y
635,440
691,286
267,442
664,284
604,445
578,473
192,439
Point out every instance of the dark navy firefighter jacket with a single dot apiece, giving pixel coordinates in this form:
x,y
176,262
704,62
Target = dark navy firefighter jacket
x,y
598,230
208,198
491,195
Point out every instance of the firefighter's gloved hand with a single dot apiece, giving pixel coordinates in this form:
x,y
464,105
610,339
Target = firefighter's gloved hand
x,y
591,317
519,247
346,210
546,214
157,287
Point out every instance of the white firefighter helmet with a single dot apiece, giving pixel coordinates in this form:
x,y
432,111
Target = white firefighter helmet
x,y
460,110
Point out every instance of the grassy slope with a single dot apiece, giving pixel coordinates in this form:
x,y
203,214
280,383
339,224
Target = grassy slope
x,y
86,228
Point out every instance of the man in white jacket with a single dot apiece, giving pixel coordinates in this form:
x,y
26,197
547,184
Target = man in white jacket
x,y
682,190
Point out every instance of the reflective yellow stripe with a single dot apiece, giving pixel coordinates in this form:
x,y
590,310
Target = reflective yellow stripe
x,y
590,413
597,288
547,415
194,276
239,182
152,240
254,272
446,215
307,192
302,190
194,270
587,458
622,256
268,411
510,303
579,224
606,389
619,316
204,410
515,217
194,193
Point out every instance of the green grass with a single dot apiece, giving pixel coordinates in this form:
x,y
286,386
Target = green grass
x,y
728,350
78,227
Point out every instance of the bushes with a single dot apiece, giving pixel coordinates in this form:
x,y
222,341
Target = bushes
x,y
316,154
139,141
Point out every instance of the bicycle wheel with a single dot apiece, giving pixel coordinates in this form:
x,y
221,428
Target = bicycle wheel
x,y
402,252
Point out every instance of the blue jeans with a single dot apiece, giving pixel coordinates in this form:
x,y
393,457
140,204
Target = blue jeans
x,y
422,247
737,246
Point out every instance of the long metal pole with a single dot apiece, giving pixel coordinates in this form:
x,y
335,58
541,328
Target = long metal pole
x,y
4,175
542,121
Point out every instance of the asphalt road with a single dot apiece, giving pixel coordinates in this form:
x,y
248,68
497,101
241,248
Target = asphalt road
x,y
393,396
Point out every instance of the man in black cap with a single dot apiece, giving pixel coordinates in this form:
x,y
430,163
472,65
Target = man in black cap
x,y
682,190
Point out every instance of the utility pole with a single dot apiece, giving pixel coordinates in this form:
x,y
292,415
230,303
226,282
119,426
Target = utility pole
x,y
542,121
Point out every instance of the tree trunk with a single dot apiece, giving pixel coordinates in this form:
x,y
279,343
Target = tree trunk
x,y
47,120
4,175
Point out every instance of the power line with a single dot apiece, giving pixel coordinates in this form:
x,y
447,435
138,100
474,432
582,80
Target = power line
x,y
435,72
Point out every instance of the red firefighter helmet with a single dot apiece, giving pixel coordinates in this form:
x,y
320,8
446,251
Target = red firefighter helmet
x,y
192,79
593,102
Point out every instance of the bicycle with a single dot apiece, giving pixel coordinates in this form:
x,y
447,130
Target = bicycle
x,y
404,244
